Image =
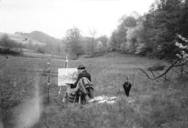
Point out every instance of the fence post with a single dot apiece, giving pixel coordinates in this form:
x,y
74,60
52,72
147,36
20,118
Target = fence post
x,y
48,79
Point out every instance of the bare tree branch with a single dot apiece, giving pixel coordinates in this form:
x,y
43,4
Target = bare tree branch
x,y
164,73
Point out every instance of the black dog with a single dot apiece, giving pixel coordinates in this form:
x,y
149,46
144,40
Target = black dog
x,y
127,87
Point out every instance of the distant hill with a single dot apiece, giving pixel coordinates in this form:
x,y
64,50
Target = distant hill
x,y
43,37
37,41
40,36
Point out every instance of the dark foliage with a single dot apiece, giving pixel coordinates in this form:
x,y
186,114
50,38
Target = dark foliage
x,y
156,31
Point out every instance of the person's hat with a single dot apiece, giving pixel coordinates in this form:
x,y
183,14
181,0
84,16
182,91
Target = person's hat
x,y
81,66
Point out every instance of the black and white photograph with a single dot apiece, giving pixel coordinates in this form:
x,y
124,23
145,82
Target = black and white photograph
x,y
93,63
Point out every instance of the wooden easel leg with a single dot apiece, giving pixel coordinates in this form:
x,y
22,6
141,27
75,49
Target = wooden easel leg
x,y
79,100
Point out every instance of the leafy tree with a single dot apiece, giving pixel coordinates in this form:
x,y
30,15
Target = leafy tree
x,y
184,20
119,40
160,27
73,42
102,42
91,44
8,43
9,46
129,21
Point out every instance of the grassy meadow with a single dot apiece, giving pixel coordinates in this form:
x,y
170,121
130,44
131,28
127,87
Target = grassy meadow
x,y
152,104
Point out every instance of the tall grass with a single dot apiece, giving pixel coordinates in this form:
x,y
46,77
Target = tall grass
x,y
155,104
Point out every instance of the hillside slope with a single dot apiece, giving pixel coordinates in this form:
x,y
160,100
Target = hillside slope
x,y
43,37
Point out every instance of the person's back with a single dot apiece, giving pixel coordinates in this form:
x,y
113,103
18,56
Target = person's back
x,y
82,72
82,88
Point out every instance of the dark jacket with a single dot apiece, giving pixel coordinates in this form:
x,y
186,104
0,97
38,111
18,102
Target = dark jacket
x,y
83,74
127,87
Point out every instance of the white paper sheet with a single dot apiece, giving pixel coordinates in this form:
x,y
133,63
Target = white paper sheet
x,y
67,76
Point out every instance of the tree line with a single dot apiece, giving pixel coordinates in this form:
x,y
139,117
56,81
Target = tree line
x,y
76,44
155,33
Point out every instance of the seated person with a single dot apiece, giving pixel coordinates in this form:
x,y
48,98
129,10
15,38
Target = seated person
x,y
82,73
82,87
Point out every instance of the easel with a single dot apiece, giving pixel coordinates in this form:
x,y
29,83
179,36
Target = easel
x,y
60,89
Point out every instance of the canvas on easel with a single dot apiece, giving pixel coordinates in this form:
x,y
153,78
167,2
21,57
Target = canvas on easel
x,y
67,76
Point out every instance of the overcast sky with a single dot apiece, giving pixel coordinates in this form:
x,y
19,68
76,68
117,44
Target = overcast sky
x,y
54,17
